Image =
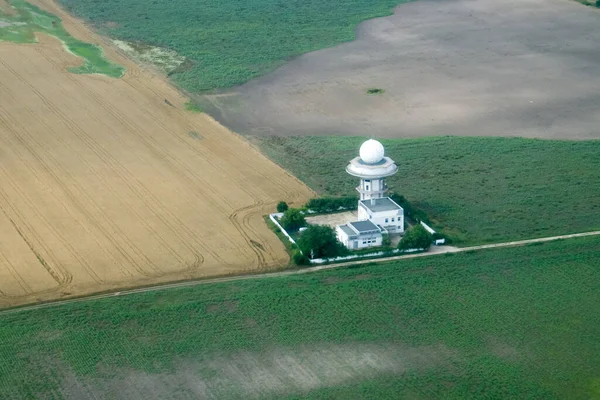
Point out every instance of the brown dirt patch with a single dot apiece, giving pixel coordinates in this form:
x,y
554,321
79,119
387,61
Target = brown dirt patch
x,y
102,187
6,9
455,67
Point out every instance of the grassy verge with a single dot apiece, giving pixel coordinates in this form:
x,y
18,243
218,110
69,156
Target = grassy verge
x,y
29,19
290,248
505,323
228,43
193,107
476,190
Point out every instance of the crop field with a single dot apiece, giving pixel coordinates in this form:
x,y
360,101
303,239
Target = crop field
x,y
476,190
108,183
506,323
228,43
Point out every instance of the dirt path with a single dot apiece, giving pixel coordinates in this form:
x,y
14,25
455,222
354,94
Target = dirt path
x,y
109,183
434,251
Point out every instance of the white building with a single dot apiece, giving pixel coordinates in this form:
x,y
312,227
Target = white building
x,y
383,212
359,234
372,167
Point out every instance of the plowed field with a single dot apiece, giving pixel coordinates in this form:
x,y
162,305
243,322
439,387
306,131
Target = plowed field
x,y
108,183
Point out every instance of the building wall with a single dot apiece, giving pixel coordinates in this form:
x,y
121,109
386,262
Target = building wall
x,y
362,241
369,186
379,218
370,240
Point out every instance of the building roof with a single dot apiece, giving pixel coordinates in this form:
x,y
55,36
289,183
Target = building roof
x,y
347,230
363,226
382,204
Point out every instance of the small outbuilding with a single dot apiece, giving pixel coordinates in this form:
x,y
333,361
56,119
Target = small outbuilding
x,y
359,235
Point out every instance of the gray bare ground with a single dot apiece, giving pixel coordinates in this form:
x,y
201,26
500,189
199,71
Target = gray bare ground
x,y
448,67
250,375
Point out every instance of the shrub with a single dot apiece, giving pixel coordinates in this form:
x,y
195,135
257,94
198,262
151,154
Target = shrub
x,y
375,91
320,241
300,259
386,242
292,220
282,206
329,204
410,212
416,238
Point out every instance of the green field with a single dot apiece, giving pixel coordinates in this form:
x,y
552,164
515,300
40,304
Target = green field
x,y
29,20
476,190
507,323
230,42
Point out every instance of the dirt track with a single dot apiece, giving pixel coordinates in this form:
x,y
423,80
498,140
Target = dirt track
x,y
448,67
103,184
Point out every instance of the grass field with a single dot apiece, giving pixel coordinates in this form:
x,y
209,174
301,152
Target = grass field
x,y
511,323
108,183
230,42
477,190
20,21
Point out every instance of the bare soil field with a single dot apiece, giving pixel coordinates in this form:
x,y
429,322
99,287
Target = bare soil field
x,y
109,183
448,67
6,8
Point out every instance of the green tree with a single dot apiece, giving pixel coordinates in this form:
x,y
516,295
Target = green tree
x,y
416,238
282,206
300,259
320,241
292,220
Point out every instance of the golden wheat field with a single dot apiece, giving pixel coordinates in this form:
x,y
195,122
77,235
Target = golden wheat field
x,y
108,183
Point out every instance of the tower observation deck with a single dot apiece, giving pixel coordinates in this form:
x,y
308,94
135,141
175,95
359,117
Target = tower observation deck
x,y
372,167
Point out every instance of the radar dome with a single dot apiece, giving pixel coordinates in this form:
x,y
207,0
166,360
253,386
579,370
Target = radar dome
x,y
371,152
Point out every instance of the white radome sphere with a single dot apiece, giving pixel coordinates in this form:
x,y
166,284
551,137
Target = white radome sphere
x,y
371,151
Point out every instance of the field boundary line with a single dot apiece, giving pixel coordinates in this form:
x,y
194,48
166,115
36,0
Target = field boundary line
x,y
440,250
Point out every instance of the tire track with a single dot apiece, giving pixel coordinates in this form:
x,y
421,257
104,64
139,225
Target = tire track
x,y
82,193
122,171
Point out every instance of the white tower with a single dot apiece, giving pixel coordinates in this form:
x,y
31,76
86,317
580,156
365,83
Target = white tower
x,y
372,167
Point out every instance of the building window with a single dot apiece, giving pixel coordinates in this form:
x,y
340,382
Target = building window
x,y
367,180
392,219
367,187
386,221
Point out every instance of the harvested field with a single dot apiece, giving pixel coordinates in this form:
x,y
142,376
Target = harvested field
x,y
108,183
454,67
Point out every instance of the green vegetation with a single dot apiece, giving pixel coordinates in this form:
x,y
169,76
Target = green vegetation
x,y
332,204
319,241
29,19
474,190
292,220
228,43
193,107
508,323
290,248
592,3
282,206
416,238
375,91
